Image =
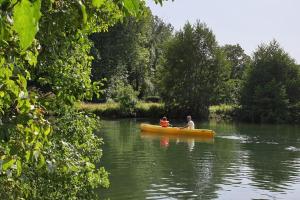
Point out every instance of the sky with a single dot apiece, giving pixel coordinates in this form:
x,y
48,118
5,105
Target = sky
x,y
246,22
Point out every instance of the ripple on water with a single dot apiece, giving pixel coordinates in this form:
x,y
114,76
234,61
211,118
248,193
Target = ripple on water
x,y
230,137
291,148
168,190
247,139
241,164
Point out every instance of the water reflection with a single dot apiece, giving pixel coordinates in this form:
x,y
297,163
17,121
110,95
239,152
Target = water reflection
x,y
273,165
165,140
243,161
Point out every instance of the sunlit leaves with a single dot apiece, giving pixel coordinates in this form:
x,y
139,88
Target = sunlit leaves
x,y
8,164
132,6
26,16
31,57
19,167
2,29
41,161
98,3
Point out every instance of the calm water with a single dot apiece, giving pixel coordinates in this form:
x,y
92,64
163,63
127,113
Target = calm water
x,y
242,162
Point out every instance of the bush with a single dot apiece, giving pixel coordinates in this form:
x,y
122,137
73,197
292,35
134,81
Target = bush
x,y
127,98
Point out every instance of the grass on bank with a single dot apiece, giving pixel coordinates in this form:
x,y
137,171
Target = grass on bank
x,y
223,112
112,109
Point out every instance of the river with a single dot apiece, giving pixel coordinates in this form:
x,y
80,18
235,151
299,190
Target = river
x,y
243,161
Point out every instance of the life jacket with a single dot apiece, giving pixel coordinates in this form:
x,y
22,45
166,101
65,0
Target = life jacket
x,y
164,123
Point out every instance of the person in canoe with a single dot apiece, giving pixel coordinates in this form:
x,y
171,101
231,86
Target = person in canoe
x,y
164,122
190,124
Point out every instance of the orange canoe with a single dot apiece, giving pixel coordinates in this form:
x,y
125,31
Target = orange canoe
x,y
176,131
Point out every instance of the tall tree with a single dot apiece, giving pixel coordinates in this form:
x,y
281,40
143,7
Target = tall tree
x,y
272,86
193,69
238,59
161,34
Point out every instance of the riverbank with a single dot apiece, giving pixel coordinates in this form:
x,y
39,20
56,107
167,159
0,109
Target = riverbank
x,y
154,110
224,112
112,110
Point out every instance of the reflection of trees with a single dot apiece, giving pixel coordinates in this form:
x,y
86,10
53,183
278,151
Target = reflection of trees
x,y
141,166
273,166
131,162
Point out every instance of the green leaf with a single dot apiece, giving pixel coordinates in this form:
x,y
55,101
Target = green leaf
x,y
27,156
41,161
47,131
22,81
132,6
26,16
8,164
19,167
90,165
98,3
31,58
2,29
24,106
83,11
2,1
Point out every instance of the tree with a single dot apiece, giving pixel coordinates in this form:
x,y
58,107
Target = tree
x,y
272,86
45,69
194,67
161,34
238,62
123,52
131,50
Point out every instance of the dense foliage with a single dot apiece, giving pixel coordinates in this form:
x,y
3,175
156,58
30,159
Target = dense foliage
x,y
189,71
238,61
130,52
193,70
45,68
272,89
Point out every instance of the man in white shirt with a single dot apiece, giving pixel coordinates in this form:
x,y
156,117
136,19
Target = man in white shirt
x,y
190,125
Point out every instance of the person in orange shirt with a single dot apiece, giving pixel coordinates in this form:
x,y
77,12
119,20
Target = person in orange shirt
x,y
164,122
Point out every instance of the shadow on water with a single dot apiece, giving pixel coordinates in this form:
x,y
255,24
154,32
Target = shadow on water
x,y
257,161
